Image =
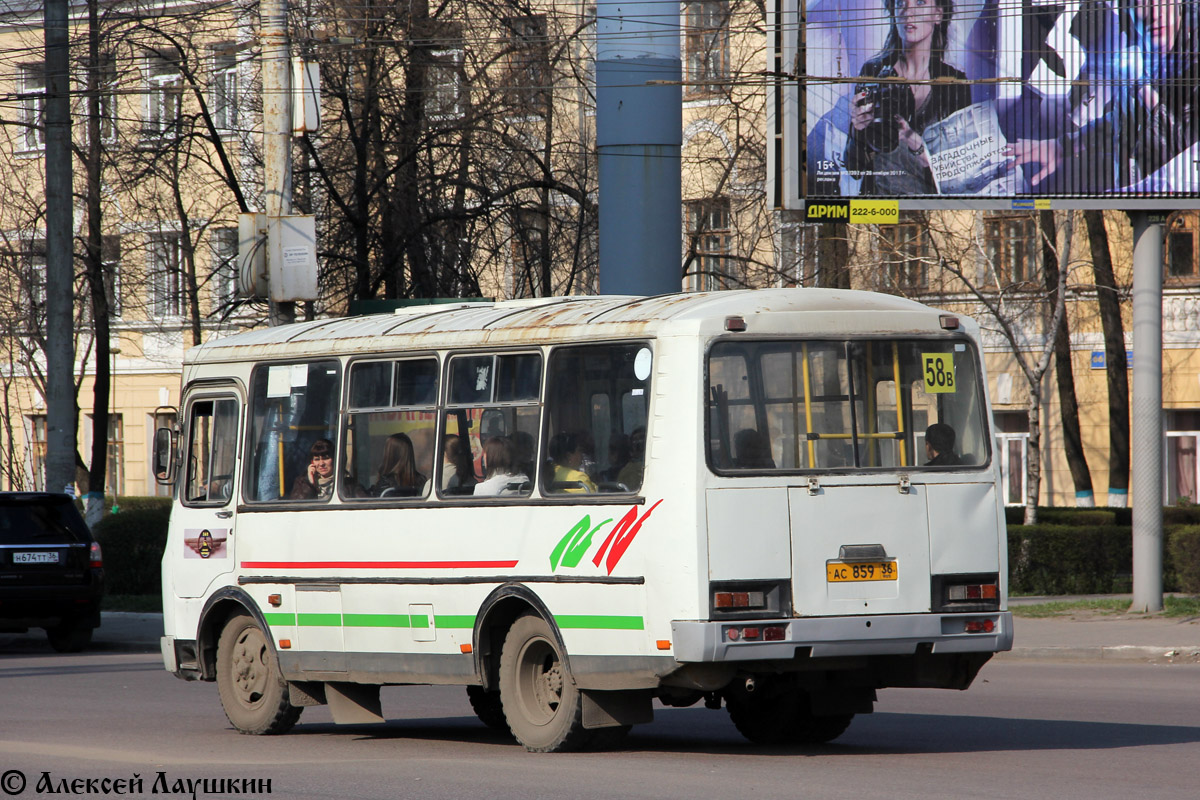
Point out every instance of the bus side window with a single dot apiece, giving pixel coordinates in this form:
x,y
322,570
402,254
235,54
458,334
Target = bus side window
x,y
497,399
291,407
390,437
597,407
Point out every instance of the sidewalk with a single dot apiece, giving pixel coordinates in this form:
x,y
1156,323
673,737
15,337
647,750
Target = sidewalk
x,y
1088,636
1079,636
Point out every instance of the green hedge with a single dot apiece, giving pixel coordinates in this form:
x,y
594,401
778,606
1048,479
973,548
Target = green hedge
x,y
1183,549
1067,559
133,542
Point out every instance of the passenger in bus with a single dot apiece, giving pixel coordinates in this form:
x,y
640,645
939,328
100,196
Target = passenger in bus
x,y
502,477
631,473
457,470
317,482
526,452
398,476
939,445
619,454
752,450
567,454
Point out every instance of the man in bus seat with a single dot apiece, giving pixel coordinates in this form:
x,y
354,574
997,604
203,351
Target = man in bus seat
x,y
631,474
566,451
753,450
939,445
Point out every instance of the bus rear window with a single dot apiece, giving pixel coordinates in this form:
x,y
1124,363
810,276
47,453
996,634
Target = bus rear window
x,y
862,404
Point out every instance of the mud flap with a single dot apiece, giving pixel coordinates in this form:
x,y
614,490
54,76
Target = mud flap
x,y
614,709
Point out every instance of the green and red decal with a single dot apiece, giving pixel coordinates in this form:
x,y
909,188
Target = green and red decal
x,y
571,549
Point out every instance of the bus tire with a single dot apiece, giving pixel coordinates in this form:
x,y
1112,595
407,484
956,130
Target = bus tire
x,y
253,691
488,708
778,712
543,706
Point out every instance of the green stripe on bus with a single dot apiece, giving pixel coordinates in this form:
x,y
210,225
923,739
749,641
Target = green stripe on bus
x,y
445,621
600,622
375,620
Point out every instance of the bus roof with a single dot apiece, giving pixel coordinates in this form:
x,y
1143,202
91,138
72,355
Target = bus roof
x,y
554,319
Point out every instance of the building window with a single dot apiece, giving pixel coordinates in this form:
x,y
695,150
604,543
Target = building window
x,y
114,464
33,106
1011,242
33,275
224,275
1012,445
225,90
164,96
1183,467
1181,248
706,46
37,451
528,64
709,235
168,295
444,99
905,250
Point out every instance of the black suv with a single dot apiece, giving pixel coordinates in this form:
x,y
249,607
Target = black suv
x,y
51,572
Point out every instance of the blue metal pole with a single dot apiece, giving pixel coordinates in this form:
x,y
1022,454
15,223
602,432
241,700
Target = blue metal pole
x,y
639,134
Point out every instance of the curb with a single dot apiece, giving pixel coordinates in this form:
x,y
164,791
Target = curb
x,y
1165,655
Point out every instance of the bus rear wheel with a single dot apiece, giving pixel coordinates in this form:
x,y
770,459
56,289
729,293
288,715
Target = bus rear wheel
x,y
776,712
488,708
541,702
252,689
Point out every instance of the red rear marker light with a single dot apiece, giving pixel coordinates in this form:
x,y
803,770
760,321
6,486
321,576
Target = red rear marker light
x,y
774,633
734,634
739,600
95,557
948,322
735,324
750,633
979,626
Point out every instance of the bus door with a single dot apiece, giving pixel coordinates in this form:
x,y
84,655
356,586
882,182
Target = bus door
x,y
859,549
205,513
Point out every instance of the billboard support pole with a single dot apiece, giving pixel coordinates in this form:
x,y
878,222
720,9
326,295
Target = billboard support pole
x,y
639,135
1147,462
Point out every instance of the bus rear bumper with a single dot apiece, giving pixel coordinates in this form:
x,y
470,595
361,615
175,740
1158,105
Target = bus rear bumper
x,y
834,637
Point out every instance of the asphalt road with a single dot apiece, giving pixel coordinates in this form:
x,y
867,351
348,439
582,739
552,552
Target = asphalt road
x,y
1026,729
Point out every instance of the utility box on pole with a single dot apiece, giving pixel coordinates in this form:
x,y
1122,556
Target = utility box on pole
x,y
292,258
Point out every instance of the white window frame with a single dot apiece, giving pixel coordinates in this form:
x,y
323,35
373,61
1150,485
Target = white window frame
x,y
224,278
1003,440
33,107
168,296
226,93
164,97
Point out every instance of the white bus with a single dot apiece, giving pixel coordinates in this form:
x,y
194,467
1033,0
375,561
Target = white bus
x,y
779,500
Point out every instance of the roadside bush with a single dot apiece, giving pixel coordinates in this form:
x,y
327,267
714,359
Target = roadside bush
x,y
1068,559
1060,515
1184,550
133,543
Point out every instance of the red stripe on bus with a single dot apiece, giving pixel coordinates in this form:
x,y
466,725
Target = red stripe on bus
x,y
378,564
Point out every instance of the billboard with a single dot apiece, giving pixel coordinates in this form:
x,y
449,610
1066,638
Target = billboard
x,y
992,104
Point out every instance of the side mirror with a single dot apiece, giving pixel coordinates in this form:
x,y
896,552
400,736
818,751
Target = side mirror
x,y
164,456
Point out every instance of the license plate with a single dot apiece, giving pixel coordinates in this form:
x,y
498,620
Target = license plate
x,y
845,572
44,557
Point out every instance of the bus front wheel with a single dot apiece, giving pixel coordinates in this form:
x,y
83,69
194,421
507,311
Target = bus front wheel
x,y
541,702
253,691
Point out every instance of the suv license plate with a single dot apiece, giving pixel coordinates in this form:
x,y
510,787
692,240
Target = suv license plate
x,y
845,572
44,557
